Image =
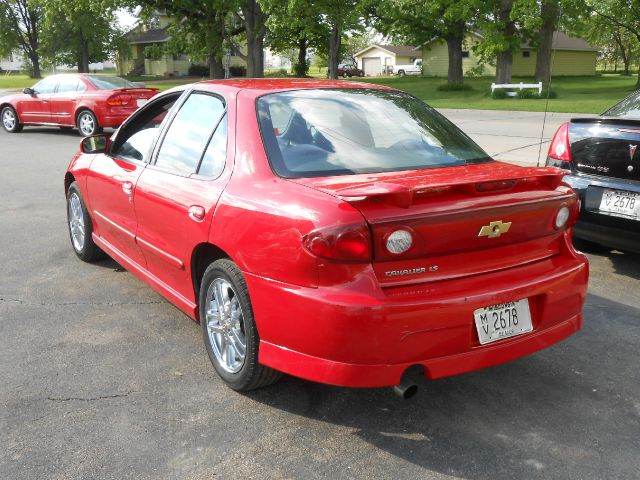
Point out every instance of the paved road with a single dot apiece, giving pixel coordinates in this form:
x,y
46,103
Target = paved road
x,y
514,137
103,379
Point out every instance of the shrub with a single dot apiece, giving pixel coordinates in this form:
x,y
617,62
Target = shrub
x,y
499,94
445,87
198,71
238,71
527,94
548,91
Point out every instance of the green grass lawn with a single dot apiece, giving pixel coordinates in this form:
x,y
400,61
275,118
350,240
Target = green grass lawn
x,y
575,94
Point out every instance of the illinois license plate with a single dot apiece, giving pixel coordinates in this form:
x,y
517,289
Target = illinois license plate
x,y
503,321
621,202
141,101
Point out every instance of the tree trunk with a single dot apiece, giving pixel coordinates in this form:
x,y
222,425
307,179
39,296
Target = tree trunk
x,y
549,11
35,66
454,44
638,81
216,67
623,53
301,69
504,64
334,50
83,54
254,24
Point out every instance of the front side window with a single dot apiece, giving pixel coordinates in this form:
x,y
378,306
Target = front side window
x,y
311,133
189,134
47,85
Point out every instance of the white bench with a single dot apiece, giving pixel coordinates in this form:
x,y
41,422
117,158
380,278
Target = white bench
x,y
519,86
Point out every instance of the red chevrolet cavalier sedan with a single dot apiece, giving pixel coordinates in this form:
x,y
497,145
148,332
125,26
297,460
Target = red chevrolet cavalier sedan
x,y
341,232
85,101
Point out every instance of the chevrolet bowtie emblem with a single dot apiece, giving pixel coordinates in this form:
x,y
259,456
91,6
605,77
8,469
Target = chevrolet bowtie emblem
x,y
494,229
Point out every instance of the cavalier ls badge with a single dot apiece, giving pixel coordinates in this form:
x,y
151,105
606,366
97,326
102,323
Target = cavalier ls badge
x,y
494,229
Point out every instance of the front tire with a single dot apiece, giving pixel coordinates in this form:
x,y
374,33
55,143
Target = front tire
x,y
10,120
229,329
87,123
80,227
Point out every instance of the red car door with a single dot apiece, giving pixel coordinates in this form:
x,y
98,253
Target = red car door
x,y
111,183
36,107
176,195
63,101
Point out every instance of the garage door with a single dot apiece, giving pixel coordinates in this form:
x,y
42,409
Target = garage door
x,y
372,66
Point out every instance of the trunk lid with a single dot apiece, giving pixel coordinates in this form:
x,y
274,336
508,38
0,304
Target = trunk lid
x,y
450,212
608,147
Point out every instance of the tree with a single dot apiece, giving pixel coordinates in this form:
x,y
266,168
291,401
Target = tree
x,y
294,25
254,20
202,29
419,23
80,31
624,15
20,28
502,35
549,13
340,18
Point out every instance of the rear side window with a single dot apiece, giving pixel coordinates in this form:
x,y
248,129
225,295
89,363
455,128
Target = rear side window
x,y
216,153
310,133
627,108
109,82
189,134
68,84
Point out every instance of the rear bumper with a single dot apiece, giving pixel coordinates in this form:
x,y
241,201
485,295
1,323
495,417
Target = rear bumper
x,y
601,227
368,339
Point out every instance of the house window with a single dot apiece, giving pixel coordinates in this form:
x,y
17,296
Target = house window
x,y
526,54
465,54
412,59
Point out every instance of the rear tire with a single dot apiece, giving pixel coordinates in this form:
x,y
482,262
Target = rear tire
x,y
401,73
87,123
80,227
229,330
10,121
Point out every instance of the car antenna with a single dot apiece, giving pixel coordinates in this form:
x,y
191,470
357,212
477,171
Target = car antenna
x,y
546,104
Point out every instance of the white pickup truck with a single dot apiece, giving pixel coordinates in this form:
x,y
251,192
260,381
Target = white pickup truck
x,y
414,68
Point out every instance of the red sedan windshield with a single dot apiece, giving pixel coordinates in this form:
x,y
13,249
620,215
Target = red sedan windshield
x,y
309,133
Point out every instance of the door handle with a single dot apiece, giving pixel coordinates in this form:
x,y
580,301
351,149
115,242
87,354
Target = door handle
x,y
197,213
127,187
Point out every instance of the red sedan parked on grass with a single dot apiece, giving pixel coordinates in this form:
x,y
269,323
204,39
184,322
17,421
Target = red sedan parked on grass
x,y
341,232
88,102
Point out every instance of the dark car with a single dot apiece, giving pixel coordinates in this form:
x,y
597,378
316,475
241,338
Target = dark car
x,y
349,70
602,156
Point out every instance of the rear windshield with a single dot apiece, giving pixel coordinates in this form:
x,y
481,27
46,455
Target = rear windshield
x,y
312,133
627,108
109,82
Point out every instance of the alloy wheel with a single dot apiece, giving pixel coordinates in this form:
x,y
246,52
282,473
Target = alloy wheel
x,y
76,222
87,124
225,325
8,119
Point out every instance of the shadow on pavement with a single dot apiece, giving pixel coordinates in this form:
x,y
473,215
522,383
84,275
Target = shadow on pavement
x,y
553,414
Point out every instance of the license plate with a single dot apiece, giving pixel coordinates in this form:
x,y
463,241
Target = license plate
x,y
142,101
503,321
621,202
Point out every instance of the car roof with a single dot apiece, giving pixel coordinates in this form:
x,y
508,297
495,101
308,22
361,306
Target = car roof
x,y
270,85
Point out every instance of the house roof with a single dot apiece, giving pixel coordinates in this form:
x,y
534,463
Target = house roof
x,y
401,50
562,41
157,35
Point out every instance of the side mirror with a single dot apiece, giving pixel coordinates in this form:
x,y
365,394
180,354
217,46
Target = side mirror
x,y
95,144
29,91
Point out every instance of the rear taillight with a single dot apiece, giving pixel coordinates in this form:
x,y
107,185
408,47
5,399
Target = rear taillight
x,y
350,243
119,100
559,150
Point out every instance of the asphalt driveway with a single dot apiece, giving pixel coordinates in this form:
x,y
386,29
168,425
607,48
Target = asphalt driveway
x,y
103,379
